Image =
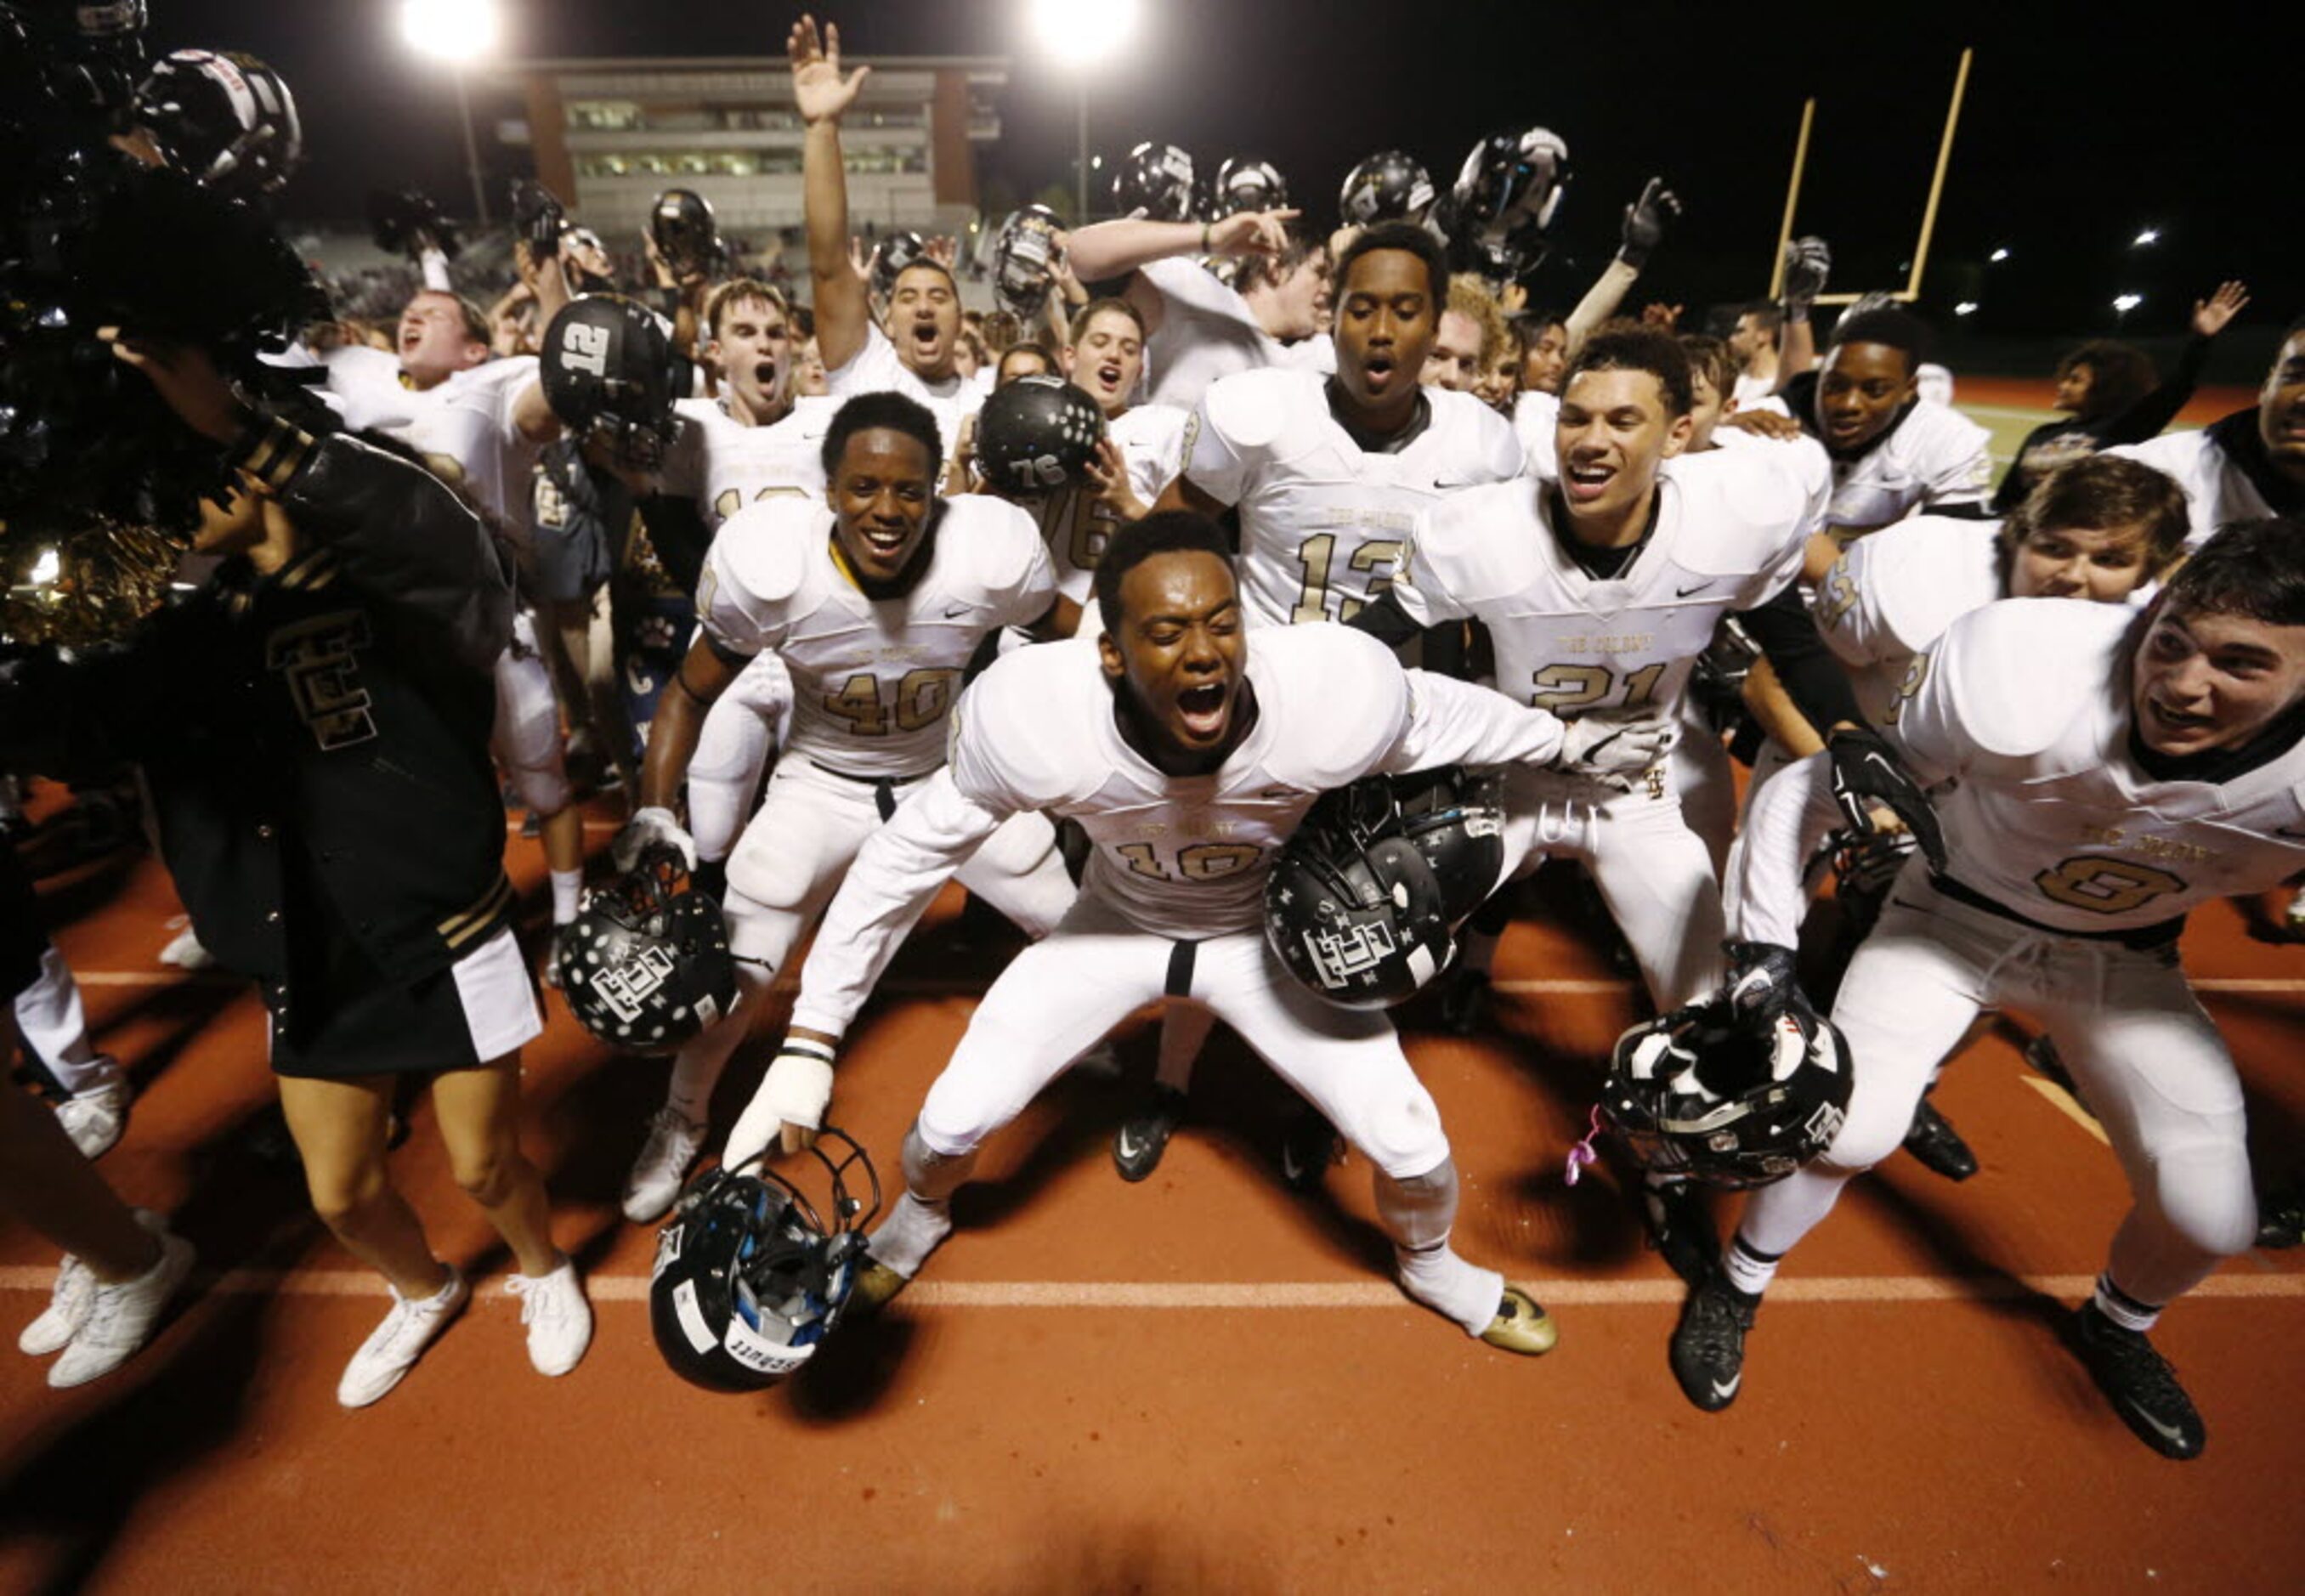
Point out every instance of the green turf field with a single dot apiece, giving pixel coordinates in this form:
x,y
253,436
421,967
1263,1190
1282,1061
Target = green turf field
x,y
2008,425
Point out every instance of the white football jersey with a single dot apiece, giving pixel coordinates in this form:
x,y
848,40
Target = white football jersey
x,y
1187,856
1535,420
1729,535
2216,489
1324,524
1934,459
1752,390
467,417
1078,525
1206,331
2025,705
876,368
1889,596
724,465
872,680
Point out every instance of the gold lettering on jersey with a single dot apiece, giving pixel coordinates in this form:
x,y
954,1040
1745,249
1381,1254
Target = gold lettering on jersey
x,y
1626,643
315,661
1345,516
2152,847
2107,836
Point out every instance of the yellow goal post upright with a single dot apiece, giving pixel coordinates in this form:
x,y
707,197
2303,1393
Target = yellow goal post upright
x,y
1911,291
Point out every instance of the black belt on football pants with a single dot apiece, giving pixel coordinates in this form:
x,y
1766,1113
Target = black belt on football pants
x,y
2143,938
884,787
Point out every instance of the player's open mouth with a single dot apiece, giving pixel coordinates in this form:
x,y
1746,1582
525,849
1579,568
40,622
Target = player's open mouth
x,y
1202,710
1584,483
765,374
1844,429
1108,377
886,542
2177,720
924,333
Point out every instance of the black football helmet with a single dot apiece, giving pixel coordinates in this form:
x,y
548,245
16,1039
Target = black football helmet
x,y
1154,181
1702,1095
225,119
645,965
750,1277
1457,820
685,232
1504,199
1387,187
1023,260
1246,184
610,370
1356,909
1036,434
892,256
402,222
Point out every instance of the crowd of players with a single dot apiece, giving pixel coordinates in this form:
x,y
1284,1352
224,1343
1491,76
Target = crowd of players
x,y
1241,613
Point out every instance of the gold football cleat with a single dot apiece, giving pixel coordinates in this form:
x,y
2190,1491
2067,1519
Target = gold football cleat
x,y
1520,1326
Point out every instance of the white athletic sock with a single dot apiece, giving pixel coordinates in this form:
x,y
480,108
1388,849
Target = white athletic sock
x,y
2123,1309
1749,1270
905,1239
696,1067
567,894
1441,1278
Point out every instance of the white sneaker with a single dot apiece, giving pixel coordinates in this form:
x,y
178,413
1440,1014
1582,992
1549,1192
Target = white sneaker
x,y
653,1186
68,1304
393,1349
95,1118
559,1320
120,1318
184,950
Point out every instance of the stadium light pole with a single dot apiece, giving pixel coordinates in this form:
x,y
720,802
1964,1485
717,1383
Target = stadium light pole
x,y
1079,35
458,33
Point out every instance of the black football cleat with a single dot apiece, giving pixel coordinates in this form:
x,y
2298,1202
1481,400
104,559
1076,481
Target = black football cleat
x,y
2042,1057
1144,1136
2140,1383
1681,1231
1309,1144
1465,1001
1936,1146
1708,1343
2280,1217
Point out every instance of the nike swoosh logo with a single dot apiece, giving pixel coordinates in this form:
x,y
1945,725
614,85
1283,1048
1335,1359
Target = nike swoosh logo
x,y
1685,592
1129,1145
1277,793
952,612
2167,1433
1724,1390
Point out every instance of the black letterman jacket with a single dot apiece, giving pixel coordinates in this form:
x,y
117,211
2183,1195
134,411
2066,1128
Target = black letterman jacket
x,y
324,729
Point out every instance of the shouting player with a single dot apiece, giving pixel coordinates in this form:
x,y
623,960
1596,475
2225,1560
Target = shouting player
x,y
2150,763
1188,756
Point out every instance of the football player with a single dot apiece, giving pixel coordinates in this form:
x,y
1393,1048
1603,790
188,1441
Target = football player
x,y
1754,341
1329,475
916,354
1198,327
1472,328
2150,763
875,598
2250,463
1188,753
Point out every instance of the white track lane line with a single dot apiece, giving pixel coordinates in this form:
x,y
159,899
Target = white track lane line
x,y
1245,1295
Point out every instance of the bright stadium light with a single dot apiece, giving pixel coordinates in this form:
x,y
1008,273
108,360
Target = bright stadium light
x,y
456,31
1080,36
459,33
2150,236
1966,308
2126,302
1998,256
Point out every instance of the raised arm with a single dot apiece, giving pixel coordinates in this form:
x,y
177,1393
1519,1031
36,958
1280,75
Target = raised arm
x,y
823,95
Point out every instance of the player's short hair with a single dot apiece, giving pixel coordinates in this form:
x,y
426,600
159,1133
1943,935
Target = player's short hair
x,y
1276,269
1029,349
1470,298
1164,532
1891,327
921,263
476,321
884,409
1767,315
2120,374
1632,347
1532,324
2254,569
1410,239
735,292
2106,491
1112,305
1715,360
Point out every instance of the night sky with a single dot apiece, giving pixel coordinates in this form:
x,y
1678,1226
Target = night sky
x,y
2077,132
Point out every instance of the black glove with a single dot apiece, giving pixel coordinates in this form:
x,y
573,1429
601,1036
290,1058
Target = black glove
x,y
1809,261
1645,220
1866,771
1762,987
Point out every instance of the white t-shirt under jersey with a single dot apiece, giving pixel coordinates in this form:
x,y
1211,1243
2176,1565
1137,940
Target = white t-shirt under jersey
x,y
1324,523
872,679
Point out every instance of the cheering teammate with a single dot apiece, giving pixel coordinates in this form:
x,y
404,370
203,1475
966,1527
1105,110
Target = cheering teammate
x,y
2150,763
875,600
2250,464
1188,756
